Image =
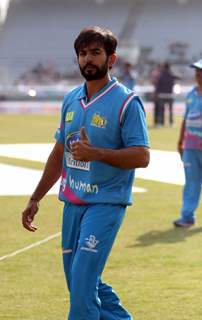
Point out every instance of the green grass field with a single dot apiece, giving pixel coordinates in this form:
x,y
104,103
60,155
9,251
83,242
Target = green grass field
x,y
155,268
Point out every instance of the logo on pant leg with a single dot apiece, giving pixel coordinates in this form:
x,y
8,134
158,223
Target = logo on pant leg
x,y
91,244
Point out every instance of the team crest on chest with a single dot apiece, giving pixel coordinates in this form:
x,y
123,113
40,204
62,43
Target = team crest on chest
x,y
98,121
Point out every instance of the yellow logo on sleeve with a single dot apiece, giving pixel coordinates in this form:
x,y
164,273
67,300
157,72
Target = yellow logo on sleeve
x,y
69,116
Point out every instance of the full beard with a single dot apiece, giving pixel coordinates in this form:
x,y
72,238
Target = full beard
x,y
95,73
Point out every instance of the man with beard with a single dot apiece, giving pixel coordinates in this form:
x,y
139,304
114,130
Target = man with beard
x,y
101,139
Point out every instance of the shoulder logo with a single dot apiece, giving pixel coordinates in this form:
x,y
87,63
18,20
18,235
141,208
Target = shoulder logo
x,y
98,121
69,116
189,101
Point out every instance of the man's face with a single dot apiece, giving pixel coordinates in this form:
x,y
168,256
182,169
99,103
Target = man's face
x,y
198,76
93,62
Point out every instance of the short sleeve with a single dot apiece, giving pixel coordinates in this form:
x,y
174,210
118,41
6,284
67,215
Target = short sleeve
x,y
133,124
60,132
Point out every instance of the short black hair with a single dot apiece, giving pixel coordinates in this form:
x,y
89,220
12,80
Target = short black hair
x,y
95,34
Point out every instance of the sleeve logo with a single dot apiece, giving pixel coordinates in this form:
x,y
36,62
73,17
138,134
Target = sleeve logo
x,y
69,116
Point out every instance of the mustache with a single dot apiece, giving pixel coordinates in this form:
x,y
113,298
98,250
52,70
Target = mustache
x,y
89,65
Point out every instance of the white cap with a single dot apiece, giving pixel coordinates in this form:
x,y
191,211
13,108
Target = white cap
x,y
197,64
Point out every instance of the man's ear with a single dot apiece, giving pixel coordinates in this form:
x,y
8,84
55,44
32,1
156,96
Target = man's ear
x,y
112,60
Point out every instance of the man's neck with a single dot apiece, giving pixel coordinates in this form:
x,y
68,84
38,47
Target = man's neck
x,y
95,86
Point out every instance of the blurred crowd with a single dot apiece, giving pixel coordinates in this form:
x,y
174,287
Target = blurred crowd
x,y
43,74
127,72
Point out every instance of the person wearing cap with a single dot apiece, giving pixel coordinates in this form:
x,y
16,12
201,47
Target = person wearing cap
x,y
190,149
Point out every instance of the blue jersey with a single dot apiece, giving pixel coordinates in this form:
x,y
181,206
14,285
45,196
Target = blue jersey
x,y
114,118
193,121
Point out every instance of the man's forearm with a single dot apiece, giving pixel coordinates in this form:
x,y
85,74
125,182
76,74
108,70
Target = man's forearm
x,y
181,136
126,158
129,158
50,175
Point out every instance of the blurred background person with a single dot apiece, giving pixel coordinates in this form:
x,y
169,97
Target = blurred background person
x,y
164,94
127,76
154,76
190,149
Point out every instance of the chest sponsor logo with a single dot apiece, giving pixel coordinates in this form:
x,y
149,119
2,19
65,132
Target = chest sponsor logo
x,y
98,121
74,136
69,116
83,186
76,164
70,162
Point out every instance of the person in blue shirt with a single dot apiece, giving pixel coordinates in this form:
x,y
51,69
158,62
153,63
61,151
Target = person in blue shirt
x,y
102,138
127,76
190,149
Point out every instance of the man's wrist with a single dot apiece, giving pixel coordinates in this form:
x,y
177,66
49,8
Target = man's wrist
x,y
100,154
34,199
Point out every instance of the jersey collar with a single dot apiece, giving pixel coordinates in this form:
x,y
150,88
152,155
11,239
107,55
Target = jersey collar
x,y
108,87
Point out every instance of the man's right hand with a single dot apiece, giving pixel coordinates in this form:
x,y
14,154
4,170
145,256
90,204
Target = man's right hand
x,y
51,174
28,215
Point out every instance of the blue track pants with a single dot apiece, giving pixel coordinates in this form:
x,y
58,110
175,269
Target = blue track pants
x,y
88,233
192,160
